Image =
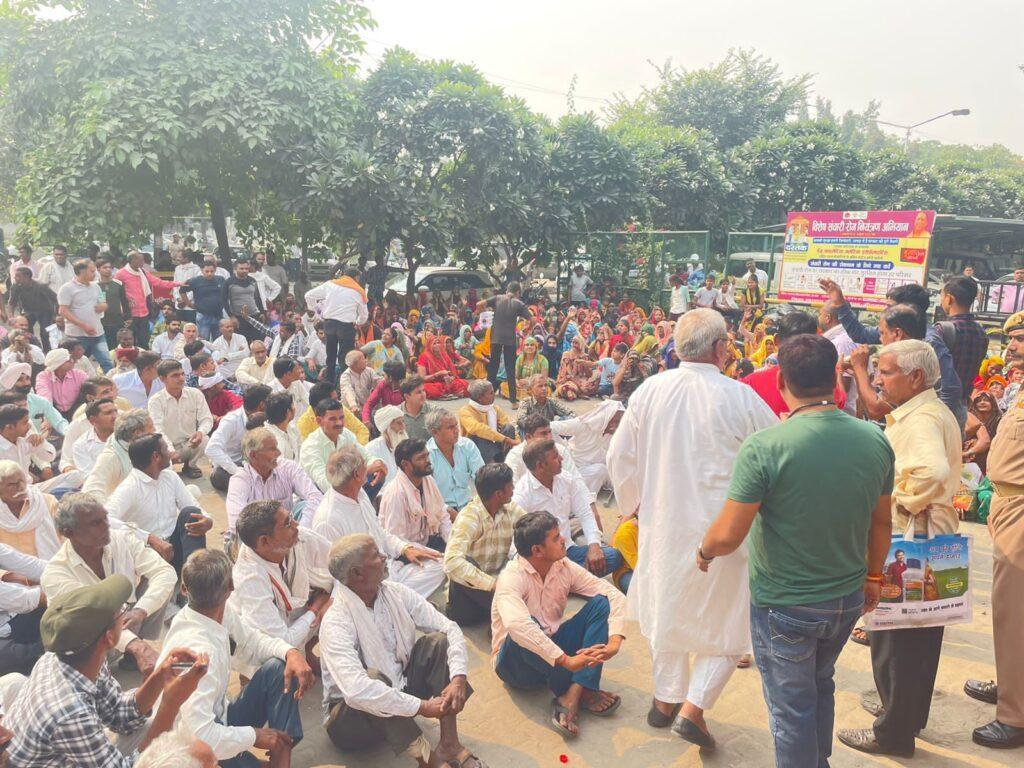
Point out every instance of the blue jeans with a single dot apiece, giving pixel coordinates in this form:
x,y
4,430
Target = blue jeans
x,y
97,347
612,557
796,647
209,326
263,703
521,668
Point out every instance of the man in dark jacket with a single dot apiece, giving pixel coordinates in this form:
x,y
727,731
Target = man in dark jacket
x,y
508,308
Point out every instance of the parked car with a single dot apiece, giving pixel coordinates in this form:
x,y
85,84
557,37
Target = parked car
x,y
443,280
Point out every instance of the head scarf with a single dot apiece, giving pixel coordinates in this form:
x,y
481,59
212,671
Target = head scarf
x,y
206,382
988,363
439,361
997,379
10,375
760,356
991,421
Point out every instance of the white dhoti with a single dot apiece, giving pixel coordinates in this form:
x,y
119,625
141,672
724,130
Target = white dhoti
x,y
423,579
675,682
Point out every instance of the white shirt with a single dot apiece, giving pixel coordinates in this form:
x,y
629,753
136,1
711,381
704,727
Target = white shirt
x,y
23,452
344,676
339,516
185,272
269,288
230,354
299,390
225,447
273,597
339,303
514,459
680,302
316,351
111,467
249,373
289,441
151,505
34,355
125,555
378,449
567,498
844,346
672,455
206,709
131,388
706,296
86,449
53,275
164,345
578,286
180,418
17,598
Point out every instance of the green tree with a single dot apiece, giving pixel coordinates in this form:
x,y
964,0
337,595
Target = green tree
x,y
127,111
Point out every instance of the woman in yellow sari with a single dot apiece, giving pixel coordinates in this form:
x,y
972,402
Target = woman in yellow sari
x,y
761,354
481,357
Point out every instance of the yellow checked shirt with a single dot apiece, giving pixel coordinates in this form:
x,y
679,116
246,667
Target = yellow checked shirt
x,y
926,440
487,540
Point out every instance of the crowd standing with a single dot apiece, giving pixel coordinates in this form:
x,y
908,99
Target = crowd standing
x,y
367,524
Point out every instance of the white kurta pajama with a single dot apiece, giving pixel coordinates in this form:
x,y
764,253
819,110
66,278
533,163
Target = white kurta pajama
x,y
672,458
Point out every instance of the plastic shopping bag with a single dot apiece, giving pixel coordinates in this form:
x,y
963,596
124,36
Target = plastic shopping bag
x,y
927,583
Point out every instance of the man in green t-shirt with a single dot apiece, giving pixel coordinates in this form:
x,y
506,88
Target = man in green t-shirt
x,y
814,495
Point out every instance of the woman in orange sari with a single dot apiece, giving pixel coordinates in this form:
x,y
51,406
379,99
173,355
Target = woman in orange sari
x,y
438,369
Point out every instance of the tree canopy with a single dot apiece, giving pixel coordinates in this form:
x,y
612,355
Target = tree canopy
x,y
125,113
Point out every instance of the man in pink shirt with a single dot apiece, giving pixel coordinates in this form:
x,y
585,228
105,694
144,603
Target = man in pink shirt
x,y
61,382
139,285
531,646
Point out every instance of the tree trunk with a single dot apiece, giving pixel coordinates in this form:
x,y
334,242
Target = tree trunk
x,y
220,227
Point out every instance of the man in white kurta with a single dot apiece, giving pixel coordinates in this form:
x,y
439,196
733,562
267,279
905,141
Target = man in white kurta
x,y
278,568
672,458
346,509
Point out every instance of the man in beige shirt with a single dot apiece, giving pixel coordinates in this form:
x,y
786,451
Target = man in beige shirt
x,y
258,368
182,415
925,437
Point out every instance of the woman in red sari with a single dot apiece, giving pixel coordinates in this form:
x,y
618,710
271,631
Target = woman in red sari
x,y
438,369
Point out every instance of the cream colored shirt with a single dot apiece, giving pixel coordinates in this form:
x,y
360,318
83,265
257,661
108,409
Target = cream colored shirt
x,y
248,373
180,418
926,440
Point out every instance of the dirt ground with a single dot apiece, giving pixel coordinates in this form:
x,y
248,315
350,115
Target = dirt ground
x,y
510,729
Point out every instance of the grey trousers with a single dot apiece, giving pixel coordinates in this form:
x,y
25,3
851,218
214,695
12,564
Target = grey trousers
x,y
426,676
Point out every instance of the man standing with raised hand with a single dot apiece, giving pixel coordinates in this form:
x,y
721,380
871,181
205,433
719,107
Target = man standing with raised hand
x,y
682,615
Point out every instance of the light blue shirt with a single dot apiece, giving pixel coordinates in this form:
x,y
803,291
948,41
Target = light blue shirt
x,y
456,482
40,408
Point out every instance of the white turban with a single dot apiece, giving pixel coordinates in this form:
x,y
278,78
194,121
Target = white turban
x,y
55,358
385,416
10,375
205,382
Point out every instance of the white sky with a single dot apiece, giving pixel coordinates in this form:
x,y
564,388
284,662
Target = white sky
x,y
918,58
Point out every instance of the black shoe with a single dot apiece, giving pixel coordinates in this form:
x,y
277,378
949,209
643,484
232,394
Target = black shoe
x,y
871,703
982,691
192,473
657,719
999,736
863,740
691,732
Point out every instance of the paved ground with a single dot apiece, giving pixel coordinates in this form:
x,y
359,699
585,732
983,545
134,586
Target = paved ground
x,y
510,729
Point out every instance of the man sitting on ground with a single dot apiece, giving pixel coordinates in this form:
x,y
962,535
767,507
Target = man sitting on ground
x,y
280,413
92,551
258,368
357,381
208,625
225,448
112,464
416,407
18,445
485,423
591,434
479,545
455,459
390,422
412,507
22,603
347,509
101,416
544,487
26,514
530,643
156,502
540,402
139,385
229,349
325,390
326,439
59,716
182,415
373,687
266,476
289,377
281,580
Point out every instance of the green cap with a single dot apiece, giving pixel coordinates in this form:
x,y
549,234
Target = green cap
x,y
75,620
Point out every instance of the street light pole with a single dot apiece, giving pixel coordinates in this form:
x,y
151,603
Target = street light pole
x,y
909,128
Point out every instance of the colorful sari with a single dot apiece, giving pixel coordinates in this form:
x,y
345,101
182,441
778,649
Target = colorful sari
x,y
432,363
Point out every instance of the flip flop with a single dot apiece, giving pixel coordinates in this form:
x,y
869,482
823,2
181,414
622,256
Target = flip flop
x,y
657,719
859,635
615,704
556,710
469,761
744,662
